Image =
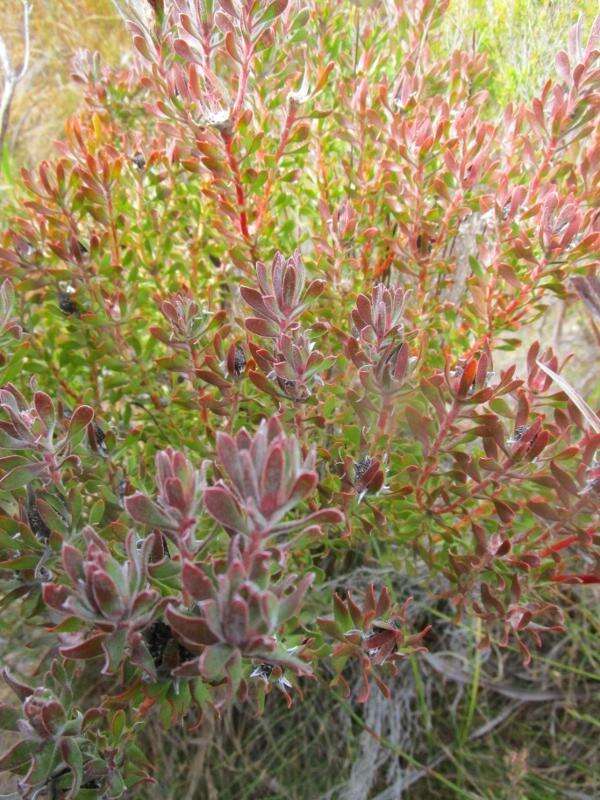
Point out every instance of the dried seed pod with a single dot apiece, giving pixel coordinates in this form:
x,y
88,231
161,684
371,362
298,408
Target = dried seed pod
x,y
34,518
139,160
361,467
66,303
239,361
157,637
100,439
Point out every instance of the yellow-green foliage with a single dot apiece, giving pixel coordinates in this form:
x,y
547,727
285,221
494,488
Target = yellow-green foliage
x,y
521,37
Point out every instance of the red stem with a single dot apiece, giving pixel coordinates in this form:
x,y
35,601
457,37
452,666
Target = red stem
x,y
239,189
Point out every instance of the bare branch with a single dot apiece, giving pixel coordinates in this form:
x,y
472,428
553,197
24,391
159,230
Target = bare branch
x,y
5,60
12,76
26,40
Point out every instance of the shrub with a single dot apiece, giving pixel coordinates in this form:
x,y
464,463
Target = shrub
x,y
256,335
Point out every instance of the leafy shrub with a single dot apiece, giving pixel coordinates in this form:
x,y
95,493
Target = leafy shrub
x,y
256,335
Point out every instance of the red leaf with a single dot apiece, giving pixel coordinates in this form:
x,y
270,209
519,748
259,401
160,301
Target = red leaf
x,y
221,505
196,582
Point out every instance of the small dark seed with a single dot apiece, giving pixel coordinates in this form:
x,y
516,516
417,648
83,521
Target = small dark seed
x,y
139,160
362,467
239,361
66,303
34,518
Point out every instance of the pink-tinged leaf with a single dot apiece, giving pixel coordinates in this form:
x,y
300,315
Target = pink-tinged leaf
x,y
289,604
140,655
72,561
272,479
330,627
276,8
363,307
44,408
573,395
182,48
235,622
21,690
288,290
72,756
212,378
190,669
545,510
262,383
90,648
365,690
143,510
176,498
576,579
223,22
332,516
21,475
91,716
261,327
303,487
228,456
19,755
228,7
220,504
80,419
489,600
114,646
55,595
192,630
105,594
195,582
467,378
214,660
255,300
141,46
53,715
563,66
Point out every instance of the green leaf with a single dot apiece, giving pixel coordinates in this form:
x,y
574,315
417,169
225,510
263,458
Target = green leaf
x,y
21,476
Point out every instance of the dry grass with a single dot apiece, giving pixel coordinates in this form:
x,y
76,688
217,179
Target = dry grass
x,y
47,97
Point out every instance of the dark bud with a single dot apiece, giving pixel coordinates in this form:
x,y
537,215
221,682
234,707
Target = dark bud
x,y
236,361
239,361
24,249
184,654
292,389
158,636
165,650
34,518
423,244
123,489
100,439
368,476
139,160
520,431
66,303
216,261
362,467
